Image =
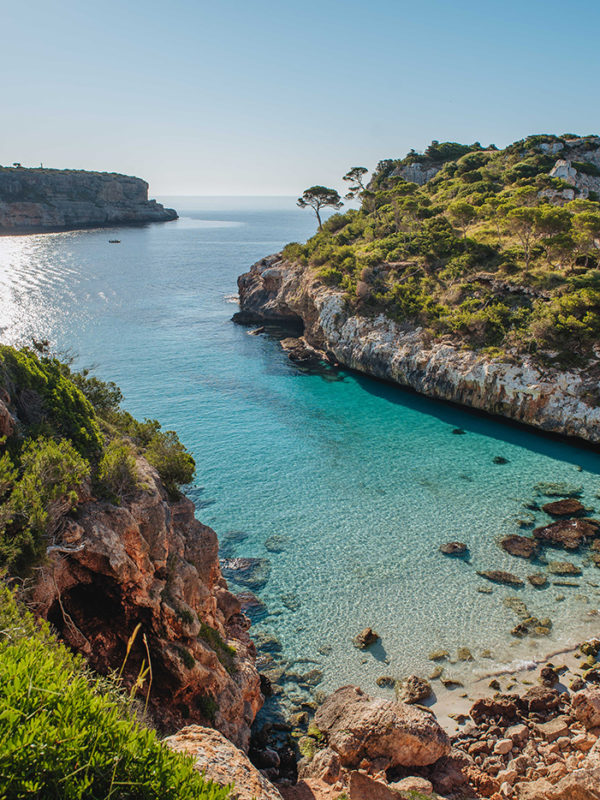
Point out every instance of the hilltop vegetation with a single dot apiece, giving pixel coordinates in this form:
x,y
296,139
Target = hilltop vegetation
x,y
71,441
492,250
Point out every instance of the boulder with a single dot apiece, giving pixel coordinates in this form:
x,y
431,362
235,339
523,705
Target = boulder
x,y
586,705
567,533
363,787
581,784
413,690
569,507
324,766
365,638
539,699
521,546
358,726
222,762
499,706
500,576
413,784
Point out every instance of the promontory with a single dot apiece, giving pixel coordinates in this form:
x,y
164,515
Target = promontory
x,y
33,200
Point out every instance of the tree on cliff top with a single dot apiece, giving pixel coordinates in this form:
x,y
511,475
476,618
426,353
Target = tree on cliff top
x,y
355,176
318,197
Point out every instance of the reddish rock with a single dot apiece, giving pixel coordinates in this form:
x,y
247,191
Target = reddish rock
x,y
453,548
586,705
365,638
539,699
324,766
521,546
149,561
222,762
360,727
567,533
569,507
500,706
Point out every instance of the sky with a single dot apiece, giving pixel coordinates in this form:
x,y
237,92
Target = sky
x,y
268,97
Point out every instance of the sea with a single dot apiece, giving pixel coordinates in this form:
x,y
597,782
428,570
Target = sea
x,y
343,487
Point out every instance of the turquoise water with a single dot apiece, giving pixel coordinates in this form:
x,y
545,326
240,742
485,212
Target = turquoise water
x,y
360,481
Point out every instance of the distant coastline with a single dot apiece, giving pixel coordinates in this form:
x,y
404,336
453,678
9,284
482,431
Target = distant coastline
x,y
50,200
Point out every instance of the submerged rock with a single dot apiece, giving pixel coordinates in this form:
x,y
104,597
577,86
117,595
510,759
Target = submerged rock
x,y
568,534
500,576
558,489
563,568
358,726
521,546
453,549
251,572
570,507
276,543
538,579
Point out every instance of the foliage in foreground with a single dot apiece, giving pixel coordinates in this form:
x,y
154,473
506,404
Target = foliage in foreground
x,y
490,251
73,441
65,734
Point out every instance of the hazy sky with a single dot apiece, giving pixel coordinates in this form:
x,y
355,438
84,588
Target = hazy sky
x,y
271,96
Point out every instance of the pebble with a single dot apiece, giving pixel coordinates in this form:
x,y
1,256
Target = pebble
x,y
503,746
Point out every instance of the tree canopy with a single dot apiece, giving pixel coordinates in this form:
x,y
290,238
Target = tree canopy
x,y
318,197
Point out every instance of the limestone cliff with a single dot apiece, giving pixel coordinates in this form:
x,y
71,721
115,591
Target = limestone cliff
x,y
558,401
149,561
53,199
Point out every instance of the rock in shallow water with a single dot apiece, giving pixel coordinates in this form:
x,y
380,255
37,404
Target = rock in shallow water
x,y
358,726
570,507
413,690
251,572
454,549
365,638
521,546
568,533
500,576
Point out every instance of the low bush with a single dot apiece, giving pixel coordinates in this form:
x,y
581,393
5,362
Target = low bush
x,y
66,735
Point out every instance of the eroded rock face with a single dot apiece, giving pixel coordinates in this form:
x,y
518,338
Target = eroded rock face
x,y
47,199
149,561
359,726
586,705
553,400
222,762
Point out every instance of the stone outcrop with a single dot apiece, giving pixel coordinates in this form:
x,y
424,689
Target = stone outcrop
x,y
417,173
222,763
360,727
276,290
53,199
150,562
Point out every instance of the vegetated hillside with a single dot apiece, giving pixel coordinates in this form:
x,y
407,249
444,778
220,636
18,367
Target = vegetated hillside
x,y
65,733
495,248
94,527
67,440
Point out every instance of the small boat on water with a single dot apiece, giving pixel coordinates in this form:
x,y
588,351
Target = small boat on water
x,y
114,241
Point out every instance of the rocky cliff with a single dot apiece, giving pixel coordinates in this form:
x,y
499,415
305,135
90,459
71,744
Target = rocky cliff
x,y
276,290
150,562
52,199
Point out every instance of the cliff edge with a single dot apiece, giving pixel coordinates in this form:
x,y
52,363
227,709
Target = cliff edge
x,y
51,199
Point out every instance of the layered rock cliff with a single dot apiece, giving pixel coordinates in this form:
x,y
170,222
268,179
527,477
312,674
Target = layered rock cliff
x,y
150,562
276,290
52,199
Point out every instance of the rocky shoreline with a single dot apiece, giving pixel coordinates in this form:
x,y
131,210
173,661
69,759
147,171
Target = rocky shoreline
x,y
561,402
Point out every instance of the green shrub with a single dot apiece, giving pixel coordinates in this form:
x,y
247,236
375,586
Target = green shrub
x,y
65,735
225,653
117,470
52,475
65,411
173,463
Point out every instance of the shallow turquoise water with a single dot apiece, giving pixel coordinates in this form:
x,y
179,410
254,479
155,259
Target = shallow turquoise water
x,y
363,480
